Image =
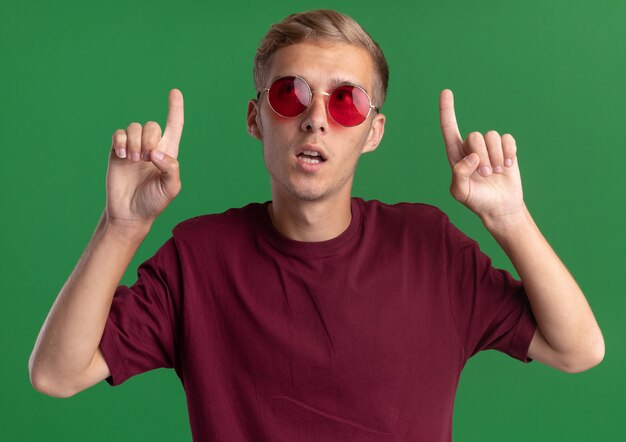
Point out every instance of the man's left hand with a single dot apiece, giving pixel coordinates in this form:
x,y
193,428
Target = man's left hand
x,y
485,172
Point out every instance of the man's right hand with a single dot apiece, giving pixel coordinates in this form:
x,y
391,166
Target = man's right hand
x,y
66,358
143,175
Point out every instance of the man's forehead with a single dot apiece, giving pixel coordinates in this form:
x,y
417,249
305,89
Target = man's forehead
x,y
330,62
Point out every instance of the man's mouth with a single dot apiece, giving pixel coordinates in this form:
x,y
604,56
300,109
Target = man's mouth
x,y
311,157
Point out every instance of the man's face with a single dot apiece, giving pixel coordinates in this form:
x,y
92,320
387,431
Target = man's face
x,y
289,143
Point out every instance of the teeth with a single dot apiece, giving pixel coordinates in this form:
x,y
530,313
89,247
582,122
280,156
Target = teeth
x,y
311,153
310,160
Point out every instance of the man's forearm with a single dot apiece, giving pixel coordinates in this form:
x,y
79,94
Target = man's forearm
x,y
69,338
563,315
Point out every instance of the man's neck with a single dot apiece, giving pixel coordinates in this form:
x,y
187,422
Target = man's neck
x,y
311,221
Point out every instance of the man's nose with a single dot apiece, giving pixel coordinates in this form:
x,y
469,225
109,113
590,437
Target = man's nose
x,y
316,117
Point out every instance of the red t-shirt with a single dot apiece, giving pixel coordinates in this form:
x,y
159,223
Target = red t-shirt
x,y
359,338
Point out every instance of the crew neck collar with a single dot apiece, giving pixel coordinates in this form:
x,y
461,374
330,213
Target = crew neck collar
x,y
318,249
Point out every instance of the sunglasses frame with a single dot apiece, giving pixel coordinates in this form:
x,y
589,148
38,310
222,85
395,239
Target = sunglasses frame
x,y
327,94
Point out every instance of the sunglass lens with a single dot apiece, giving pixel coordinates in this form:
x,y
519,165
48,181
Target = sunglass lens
x,y
289,96
349,105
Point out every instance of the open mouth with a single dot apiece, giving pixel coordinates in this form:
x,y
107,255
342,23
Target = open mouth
x,y
311,157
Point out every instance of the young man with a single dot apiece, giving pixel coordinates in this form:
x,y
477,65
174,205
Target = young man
x,y
315,316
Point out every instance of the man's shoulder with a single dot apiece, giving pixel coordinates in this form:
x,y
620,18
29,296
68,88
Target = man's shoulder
x,y
225,223
402,211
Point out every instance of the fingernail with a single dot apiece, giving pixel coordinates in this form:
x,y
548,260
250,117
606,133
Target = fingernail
x,y
158,155
484,171
471,159
498,169
121,153
134,156
508,162
145,156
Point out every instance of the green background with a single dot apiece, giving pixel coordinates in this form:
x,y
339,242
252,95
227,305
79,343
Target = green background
x,y
552,73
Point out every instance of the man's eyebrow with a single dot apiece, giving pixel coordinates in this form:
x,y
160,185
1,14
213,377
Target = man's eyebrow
x,y
332,83
336,81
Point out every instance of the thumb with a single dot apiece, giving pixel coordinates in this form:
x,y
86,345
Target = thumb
x,y
461,174
170,172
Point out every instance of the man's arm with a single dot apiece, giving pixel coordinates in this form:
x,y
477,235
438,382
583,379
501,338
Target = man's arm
x,y
142,179
568,337
486,178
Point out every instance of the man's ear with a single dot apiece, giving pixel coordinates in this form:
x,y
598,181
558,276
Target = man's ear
x,y
375,134
252,119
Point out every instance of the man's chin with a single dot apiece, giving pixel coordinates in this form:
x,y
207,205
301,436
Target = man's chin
x,y
316,193
308,195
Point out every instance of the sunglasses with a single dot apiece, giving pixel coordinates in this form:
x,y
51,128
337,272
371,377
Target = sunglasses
x,y
348,104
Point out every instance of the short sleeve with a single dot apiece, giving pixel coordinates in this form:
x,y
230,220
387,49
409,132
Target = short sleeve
x,y
490,307
140,332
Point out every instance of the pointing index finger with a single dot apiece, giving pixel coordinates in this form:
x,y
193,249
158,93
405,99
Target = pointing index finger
x,y
175,122
449,127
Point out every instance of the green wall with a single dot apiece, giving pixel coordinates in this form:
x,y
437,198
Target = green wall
x,y
552,73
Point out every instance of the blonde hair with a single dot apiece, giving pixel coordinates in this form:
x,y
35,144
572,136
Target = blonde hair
x,y
322,24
